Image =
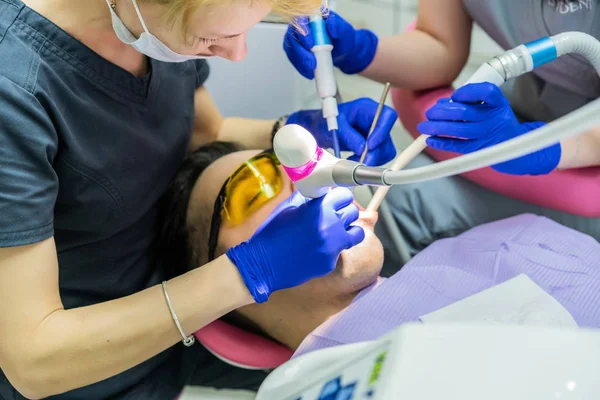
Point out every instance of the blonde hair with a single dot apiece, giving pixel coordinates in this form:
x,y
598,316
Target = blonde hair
x,y
180,11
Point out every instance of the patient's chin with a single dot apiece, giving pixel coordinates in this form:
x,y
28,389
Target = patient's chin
x,y
360,266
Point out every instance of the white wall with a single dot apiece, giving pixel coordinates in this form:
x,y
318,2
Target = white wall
x,y
264,85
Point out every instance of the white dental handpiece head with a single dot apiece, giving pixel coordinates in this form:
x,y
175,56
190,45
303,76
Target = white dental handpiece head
x,y
312,169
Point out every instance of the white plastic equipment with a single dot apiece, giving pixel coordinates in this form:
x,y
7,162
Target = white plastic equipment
x,y
453,361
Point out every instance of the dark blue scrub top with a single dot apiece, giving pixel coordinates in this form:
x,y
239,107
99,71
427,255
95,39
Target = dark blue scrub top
x,y
86,150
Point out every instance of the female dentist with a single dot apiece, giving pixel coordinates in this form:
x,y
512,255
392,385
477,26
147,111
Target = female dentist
x,y
432,56
99,103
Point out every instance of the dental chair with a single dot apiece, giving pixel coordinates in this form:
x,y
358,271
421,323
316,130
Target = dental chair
x,y
241,348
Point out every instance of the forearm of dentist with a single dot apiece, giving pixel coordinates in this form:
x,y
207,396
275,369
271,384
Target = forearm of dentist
x,y
582,151
47,349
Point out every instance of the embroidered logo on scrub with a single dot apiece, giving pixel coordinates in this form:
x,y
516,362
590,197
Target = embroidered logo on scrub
x,y
572,6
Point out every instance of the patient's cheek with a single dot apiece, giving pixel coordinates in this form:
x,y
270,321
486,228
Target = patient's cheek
x,y
231,236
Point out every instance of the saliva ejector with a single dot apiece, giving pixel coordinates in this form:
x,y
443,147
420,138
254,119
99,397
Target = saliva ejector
x,y
325,78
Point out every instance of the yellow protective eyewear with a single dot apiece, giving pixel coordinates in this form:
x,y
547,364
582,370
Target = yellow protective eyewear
x,y
248,188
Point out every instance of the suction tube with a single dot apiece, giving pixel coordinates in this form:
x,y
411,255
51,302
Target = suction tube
x,y
529,56
579,43
511,64
315,171
570,125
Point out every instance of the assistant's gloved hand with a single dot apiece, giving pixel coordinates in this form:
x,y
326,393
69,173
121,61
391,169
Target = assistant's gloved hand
x,y
353,50
299,243
471,126
354,123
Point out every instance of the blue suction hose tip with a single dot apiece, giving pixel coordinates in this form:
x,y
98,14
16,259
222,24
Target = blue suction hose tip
x,y
336,143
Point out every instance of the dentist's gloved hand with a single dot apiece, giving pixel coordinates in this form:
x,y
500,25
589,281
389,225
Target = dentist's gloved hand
x,y
354,123
302,241
353,50
465,125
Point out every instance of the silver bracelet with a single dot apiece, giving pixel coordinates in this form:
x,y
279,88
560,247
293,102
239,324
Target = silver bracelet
x,y
187,340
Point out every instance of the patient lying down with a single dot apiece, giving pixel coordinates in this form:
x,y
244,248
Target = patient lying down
x,y
353,304
289,315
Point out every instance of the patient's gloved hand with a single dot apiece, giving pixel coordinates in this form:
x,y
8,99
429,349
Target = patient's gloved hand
x,y
354,123
465,125
300,242
353,50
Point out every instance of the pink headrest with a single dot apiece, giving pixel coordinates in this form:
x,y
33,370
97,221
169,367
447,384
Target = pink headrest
x,y
242,348
573,191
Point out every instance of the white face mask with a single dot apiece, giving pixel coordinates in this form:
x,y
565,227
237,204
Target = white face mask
x,y
147,43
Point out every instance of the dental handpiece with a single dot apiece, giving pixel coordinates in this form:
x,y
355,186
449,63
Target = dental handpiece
x,y
325,78
307,165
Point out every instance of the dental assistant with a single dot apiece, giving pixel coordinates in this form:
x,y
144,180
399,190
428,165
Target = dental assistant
x,y
432,56
99,103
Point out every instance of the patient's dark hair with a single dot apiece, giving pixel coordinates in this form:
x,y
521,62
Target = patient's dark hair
x,y
175,251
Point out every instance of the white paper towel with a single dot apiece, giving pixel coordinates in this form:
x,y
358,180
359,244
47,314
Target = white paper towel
x,y
517,301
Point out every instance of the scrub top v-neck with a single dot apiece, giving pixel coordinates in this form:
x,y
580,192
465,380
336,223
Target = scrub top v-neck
x,y
86,151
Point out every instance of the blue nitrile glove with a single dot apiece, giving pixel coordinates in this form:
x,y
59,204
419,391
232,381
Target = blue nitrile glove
x,y
353,50
472,126
354,123
294,201
300,242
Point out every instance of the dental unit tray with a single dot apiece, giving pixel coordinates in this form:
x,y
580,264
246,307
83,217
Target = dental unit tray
x,y
437,361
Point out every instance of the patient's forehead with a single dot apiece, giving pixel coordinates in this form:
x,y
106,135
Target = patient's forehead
x,y
209,183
